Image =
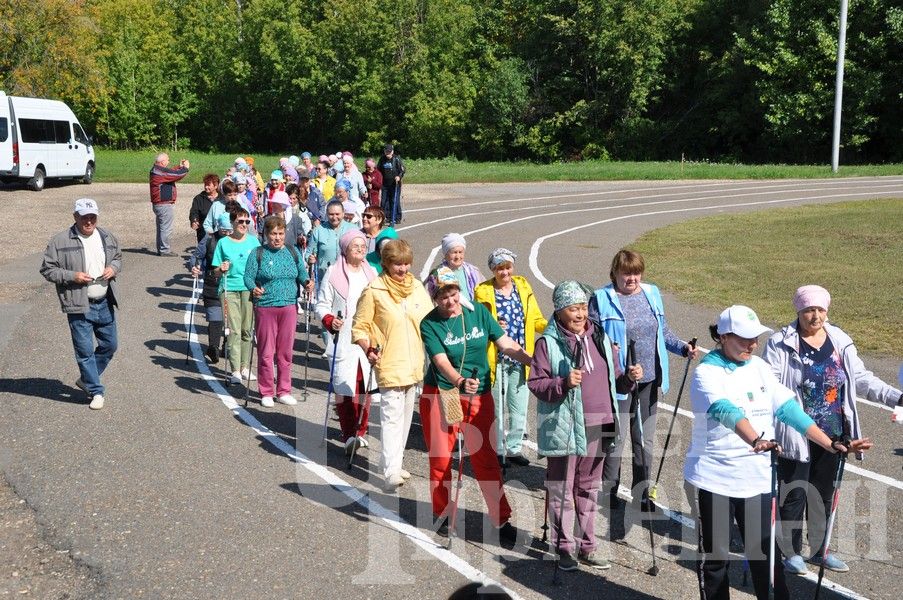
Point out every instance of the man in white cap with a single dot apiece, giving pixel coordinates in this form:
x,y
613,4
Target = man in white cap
x,y
84,261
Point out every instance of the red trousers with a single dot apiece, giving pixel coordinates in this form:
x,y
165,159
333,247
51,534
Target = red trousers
x,y
479,438
349,409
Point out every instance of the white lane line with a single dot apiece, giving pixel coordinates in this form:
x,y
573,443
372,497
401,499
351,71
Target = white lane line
x,y
750,184
373,508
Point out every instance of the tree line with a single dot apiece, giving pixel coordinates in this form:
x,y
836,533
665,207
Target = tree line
x,y
543,80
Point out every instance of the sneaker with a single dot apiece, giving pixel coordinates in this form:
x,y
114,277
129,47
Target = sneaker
x,y
213,354
507,535
351,445
235,378
300,309
404,474
795,565
266,401
97,403
83,387
287,399
394,480
591,559
518,460
566,561
247,375
365,444
832,563
442,527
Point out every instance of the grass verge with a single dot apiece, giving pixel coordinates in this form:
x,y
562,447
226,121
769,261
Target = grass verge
x,y
129,166
854,249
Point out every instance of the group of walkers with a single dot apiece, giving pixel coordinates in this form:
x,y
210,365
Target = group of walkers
x,y
469,350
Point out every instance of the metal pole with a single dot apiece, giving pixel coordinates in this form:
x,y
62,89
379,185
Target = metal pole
x,y
838,85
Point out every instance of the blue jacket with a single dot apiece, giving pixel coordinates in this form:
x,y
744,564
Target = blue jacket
x,y
605,311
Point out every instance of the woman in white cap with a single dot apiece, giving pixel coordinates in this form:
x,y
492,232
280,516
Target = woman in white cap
x,y
453,247
511,302
820,363
737,399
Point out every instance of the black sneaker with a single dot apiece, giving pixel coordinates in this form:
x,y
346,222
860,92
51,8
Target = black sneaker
x,y
518,460
442,527
213,354
507,535
566,561
593,561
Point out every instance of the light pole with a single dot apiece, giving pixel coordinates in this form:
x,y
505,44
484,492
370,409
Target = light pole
x,y
838,85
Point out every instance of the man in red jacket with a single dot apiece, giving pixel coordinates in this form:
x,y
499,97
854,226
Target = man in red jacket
x,y
163,197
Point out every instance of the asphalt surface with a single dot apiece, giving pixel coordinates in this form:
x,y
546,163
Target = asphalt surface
x,y
175,491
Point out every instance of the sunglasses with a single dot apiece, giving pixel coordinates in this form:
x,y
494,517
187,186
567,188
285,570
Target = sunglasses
x,y
367,216
242,221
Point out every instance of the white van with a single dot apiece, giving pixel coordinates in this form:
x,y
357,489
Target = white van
x,y
40,139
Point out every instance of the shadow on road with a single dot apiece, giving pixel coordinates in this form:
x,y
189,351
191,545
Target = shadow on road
x,y
40,387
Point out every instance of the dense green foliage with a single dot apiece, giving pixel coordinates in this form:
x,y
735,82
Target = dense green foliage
x,y
491,80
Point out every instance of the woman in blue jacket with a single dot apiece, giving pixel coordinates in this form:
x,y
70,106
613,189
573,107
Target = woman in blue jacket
x,y
628,309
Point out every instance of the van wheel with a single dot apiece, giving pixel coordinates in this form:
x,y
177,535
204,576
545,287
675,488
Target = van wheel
x,y
36,183
89,174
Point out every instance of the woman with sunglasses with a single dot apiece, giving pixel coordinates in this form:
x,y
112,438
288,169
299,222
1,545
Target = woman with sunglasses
x,y
230,258
378,232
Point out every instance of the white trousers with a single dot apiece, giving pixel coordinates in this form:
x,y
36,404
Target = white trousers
x,y
396,408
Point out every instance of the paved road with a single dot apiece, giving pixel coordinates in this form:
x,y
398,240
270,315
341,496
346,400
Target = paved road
x,y
174,490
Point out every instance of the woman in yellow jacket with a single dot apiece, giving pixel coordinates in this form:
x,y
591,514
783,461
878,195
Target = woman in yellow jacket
x,y
511,301
388,317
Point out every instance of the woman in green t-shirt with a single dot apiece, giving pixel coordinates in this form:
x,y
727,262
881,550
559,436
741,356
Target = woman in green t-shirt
x,y
456,335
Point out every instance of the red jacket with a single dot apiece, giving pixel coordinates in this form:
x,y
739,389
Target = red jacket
x,y
374,183
163,183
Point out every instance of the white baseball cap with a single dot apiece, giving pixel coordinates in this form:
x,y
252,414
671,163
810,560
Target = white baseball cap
x,y
86,206
741,321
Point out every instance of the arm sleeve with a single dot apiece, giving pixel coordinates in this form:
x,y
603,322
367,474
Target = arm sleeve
x,y
773,356
52,270
673,344
726,413
302,270
542,383
251,270
116,260
362,324
325,300
868,385
791,413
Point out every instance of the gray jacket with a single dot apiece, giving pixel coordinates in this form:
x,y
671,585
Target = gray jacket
x,y
782,353
64,257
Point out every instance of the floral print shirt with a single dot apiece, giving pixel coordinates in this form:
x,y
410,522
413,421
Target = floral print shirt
x,y
822,386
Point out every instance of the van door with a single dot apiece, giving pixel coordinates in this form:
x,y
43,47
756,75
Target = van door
x,y
82,151
71,154
6,136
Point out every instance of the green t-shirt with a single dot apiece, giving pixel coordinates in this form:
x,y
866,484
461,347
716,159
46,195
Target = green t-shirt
x,y
447,336
237,254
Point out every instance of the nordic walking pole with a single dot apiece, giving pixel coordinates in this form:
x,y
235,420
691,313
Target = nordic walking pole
x,y
545,519
774,517
653,491
503,430
395,201
460,435
360,417
838,478
578,365
226,330
194,302
310,307
631,360
335,347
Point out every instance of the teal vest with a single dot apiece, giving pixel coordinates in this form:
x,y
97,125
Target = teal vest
x,y
561,425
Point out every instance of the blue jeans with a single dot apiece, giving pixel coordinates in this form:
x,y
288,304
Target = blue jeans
x,y
100,323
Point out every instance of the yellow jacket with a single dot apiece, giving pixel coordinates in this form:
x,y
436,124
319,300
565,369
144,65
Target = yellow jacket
x,y
534,322
327,187
396,327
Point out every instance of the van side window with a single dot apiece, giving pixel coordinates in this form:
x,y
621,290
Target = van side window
x,y
61,129
37,131
4,129
80,136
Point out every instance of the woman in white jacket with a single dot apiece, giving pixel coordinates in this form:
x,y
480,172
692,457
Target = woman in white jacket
x,y
342,285
819,362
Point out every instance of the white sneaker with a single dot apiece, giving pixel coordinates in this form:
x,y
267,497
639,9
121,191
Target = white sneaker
x,y
394,480
266,401
96,402
235,378
287,399
363,442
351,445
247,375
404,474
300,309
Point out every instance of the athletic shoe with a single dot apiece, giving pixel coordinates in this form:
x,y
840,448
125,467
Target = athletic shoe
x,y
267,401
566,562
832,563
507,535
594,561
247,375
287,399
167,254
96,402
81,385
442,527
795,565
300,309
365,444
394,480
235,378
518,460
351,445
213,354
404,474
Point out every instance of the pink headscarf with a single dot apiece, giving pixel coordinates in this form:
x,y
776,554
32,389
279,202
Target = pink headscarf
x,y
339,278
811,295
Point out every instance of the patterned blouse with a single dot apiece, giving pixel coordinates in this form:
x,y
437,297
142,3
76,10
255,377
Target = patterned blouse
x,y
511,310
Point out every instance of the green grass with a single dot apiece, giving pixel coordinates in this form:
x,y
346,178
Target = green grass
x,y
854,249
130,166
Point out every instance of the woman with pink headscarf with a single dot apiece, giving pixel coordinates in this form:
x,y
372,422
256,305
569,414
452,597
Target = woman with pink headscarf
x,y
342,285
819,362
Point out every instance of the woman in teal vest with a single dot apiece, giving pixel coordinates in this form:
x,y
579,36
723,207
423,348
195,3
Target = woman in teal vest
x,y
574,375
